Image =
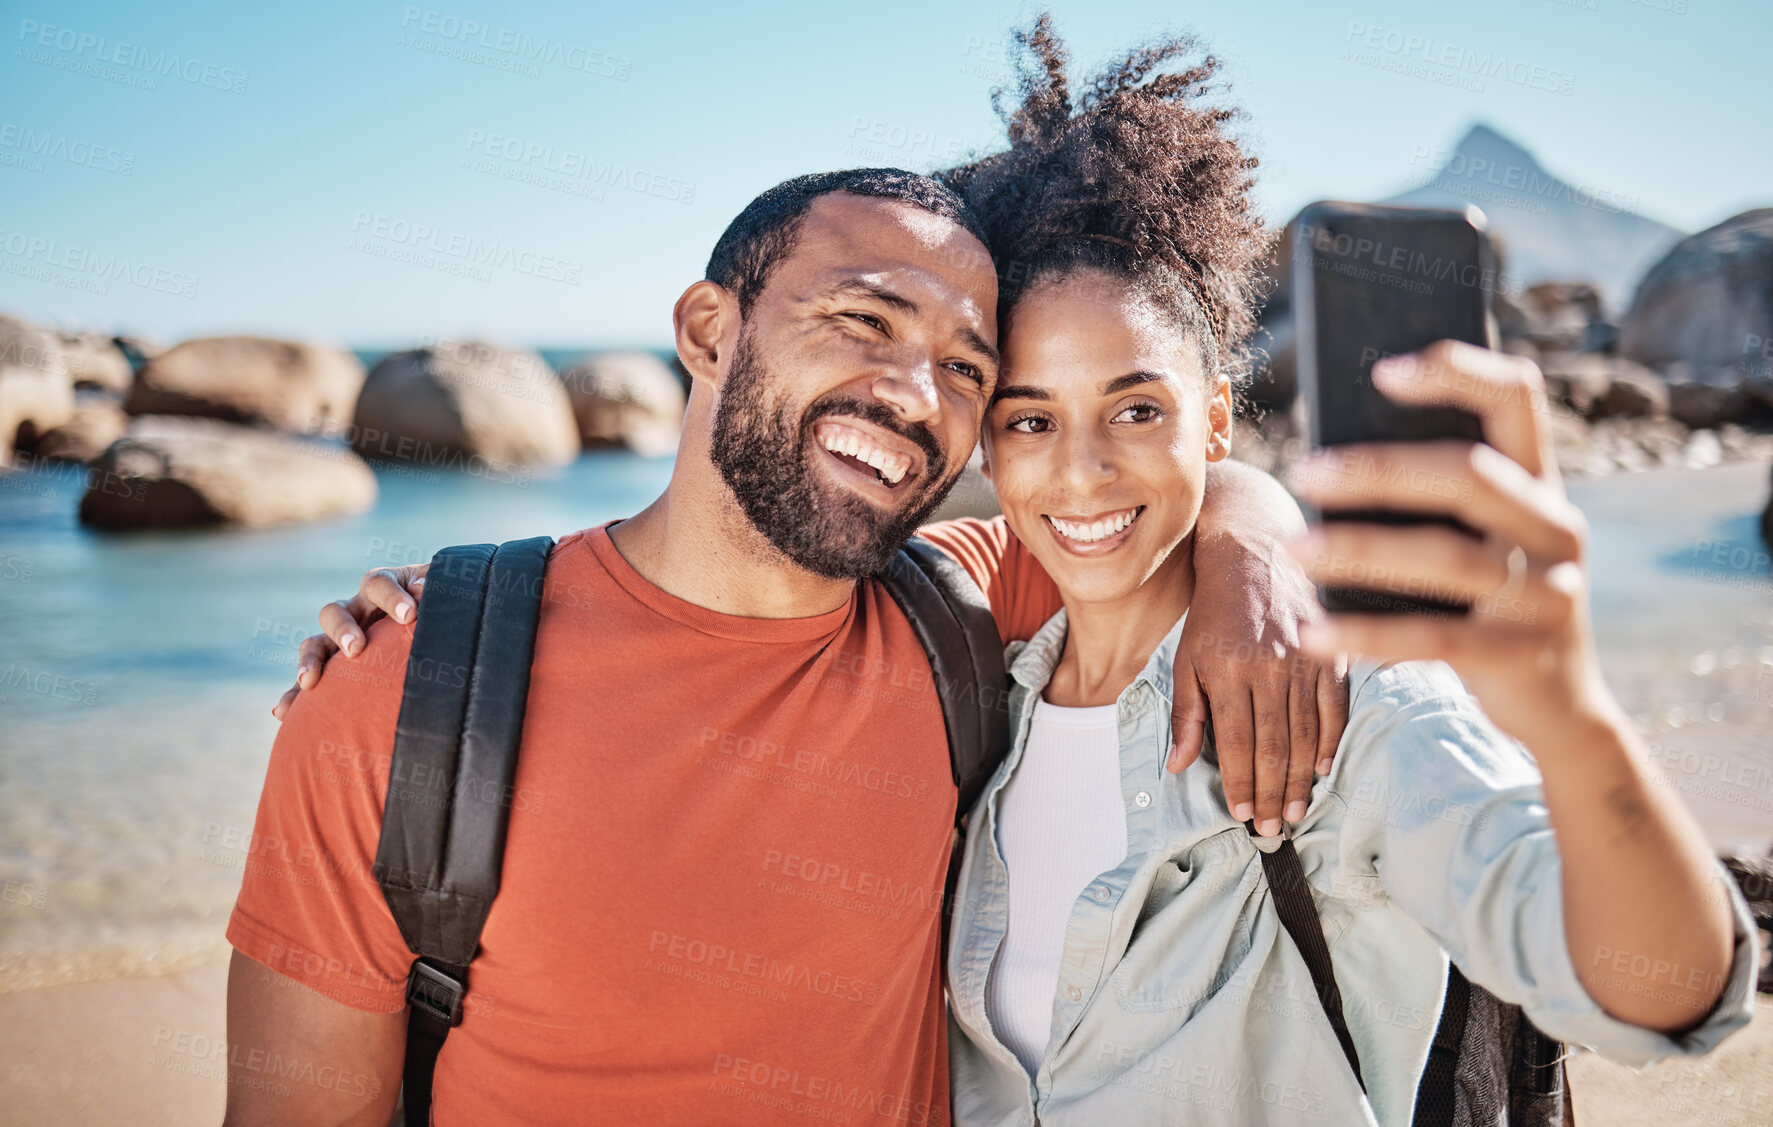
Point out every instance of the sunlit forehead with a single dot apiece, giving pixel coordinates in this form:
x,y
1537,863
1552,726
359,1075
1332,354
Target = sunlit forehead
x,y
1092,336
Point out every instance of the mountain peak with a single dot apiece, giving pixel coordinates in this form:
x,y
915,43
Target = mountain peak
x,y
1550,229
1483,142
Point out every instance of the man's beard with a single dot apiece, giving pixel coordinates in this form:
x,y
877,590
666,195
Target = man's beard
x,y
762,453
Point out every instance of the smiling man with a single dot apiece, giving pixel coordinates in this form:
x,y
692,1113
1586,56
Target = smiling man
x,y
731,820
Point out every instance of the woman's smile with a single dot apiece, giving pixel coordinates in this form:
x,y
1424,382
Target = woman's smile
x,y
1093,535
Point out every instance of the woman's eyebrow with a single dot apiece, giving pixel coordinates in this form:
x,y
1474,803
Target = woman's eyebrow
x,y
1131,379
1020,391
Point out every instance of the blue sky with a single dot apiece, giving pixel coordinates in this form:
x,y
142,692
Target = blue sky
x,y
556,173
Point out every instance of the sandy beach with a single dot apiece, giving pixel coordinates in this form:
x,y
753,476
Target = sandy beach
x,y
144,1052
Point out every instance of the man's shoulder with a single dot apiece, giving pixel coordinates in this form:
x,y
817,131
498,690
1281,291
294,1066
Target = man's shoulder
x,y
969,537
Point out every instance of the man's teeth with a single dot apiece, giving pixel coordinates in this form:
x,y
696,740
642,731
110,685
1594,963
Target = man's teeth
x,y
1091,531
891,466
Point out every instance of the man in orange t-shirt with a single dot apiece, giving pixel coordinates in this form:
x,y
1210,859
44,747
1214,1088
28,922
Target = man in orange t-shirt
x,y
731,817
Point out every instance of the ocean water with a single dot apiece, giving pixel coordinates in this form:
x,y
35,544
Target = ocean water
x,y
137,674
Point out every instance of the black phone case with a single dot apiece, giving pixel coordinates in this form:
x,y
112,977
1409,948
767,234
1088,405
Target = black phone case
x,y
1368,281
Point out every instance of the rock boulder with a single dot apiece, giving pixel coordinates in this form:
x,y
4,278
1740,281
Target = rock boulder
x,y
630,399
1578,380
1767,522
98,421
466,405
1709,303
94,360
180,472
36,394
1633,392
301,388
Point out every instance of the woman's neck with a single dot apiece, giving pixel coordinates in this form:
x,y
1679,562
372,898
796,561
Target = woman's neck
x,y
1107,643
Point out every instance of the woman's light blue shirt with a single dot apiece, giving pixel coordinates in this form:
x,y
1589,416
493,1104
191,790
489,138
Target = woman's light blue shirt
x,y
1181,1000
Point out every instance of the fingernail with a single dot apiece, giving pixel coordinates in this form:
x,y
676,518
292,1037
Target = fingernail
x,y
1324,764
1243,811
1269,827
277,711
349,645
1295,810
402,612
417,583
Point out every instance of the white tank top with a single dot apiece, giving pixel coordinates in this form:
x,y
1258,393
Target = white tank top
x,y
1061,823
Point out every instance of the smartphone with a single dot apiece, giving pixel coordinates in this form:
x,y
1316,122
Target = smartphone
x,y
1371,281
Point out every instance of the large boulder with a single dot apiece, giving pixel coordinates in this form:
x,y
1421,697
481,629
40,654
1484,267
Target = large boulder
x,y
466,404
1634,391
301,388
98,421
1578,380
1767,522
1706,404
1709,303
36,394
179,472
94,360
630,399
1561,315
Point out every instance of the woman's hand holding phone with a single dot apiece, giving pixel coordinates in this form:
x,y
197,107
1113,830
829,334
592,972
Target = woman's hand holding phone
x,y
1637,871
1526,649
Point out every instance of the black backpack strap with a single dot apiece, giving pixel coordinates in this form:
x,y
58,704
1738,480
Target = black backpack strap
x,y
952,619
1298,915
455,758
1435,1093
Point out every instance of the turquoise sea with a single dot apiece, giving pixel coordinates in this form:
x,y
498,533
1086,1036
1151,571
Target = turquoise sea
x,y
137,674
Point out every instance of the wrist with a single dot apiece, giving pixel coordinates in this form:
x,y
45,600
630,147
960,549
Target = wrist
x,y
1592,726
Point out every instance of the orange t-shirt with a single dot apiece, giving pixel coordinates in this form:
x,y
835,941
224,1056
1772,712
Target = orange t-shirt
x,y
724,868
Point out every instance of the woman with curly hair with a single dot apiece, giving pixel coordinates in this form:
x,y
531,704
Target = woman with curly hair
x,y
1118,953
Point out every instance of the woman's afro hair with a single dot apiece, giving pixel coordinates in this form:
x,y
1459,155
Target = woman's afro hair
x,y
1138,177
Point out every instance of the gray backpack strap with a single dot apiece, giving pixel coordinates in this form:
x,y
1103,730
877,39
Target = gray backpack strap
x,y
952,619
442,846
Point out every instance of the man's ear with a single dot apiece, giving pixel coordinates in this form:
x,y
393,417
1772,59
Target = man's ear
x,y
1219,413
706,320
985,456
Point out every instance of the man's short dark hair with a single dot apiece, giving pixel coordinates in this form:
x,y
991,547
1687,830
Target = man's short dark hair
x,y
767,230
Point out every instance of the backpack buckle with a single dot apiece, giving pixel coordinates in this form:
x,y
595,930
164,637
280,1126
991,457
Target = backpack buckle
x,y
436,991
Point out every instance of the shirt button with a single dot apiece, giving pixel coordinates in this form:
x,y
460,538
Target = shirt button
x,y
1142,799
1101,894
1073,993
